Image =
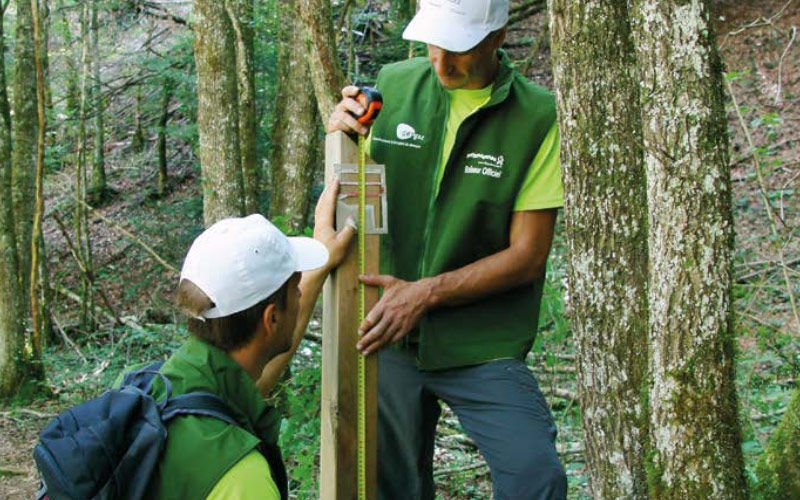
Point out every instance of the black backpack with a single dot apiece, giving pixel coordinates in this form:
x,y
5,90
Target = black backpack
x,y
109,447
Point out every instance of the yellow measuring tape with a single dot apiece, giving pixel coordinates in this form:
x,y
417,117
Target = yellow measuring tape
x,y
362,305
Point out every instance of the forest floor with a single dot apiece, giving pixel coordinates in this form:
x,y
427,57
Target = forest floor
x,y
762,59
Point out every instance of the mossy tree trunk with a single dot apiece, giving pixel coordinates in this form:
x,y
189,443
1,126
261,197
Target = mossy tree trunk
x,y
39,296
12,334
778,468
218,111
694,428
606,234
24,138
295,129
642,111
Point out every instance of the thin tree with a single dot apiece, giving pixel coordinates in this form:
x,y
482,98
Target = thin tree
x,y
606,235
163,174
38,280
80,222
99,183
12,334
217,112
694,427
295,128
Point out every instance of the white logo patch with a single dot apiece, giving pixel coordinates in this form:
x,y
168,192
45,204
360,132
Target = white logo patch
x,y
485,164
406,132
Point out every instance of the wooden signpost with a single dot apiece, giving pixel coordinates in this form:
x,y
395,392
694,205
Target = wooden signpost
x,y
338,439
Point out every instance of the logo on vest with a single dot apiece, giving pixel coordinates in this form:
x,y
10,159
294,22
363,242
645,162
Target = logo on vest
x,y
485,164
406,132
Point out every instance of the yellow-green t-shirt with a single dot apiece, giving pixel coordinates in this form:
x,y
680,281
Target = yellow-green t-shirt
x,y
541,187
248,479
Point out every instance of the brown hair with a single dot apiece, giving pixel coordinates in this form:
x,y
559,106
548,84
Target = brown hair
x,y
229,332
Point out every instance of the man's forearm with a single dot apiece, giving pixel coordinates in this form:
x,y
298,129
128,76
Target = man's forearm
x,y
496,273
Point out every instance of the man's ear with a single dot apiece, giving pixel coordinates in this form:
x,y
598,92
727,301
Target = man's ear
x,y
269,320
500,37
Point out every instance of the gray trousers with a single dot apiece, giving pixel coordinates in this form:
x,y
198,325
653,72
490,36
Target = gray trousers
x,y
500,406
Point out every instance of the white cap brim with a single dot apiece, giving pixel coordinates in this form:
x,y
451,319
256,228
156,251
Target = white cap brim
x,y
442,33
309,253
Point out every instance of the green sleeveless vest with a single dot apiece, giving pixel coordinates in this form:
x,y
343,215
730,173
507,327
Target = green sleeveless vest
x,y
470,216
200,450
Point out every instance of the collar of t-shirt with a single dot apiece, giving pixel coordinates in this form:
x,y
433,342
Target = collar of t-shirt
x,y
463,102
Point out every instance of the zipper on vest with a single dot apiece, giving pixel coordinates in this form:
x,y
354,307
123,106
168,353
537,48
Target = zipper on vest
x,y
434,192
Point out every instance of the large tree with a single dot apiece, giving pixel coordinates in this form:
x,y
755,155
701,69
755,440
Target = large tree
x,y
296,123
641,106
695,438
223,49
606,234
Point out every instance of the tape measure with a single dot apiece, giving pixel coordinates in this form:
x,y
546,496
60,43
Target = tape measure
x,y
372,102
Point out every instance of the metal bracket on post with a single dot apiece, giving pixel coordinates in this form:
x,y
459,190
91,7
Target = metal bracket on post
x,y
347,204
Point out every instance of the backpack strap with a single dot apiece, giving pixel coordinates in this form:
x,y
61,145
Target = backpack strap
x,y
198,403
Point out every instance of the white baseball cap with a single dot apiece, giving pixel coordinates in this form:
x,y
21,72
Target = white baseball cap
x,y
456,25
241,261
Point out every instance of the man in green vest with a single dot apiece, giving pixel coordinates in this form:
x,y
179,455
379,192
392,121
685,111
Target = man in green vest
x,y
471,151
248,291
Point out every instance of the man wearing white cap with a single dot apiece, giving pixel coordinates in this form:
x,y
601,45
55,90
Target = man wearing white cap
x,y
248,291
473,186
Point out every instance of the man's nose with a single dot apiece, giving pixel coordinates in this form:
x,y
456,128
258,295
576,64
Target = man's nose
x,y
441,62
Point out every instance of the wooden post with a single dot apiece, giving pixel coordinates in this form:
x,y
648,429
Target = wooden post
x,y
338,438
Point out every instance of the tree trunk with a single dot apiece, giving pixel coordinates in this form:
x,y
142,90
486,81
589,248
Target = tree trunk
x,y
241,14
81,223
137,140
24,138
323,58
606,221
39,307
217,112
778,468
12,334
694,429
294,131
98,188
163,175
72,92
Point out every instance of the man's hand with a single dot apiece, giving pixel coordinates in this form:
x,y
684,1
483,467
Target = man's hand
x,y
342,119
324,231
398,311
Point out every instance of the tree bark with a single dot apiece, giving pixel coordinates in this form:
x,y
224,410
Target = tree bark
x,y
694,429
241,14
99,185
323,58
12,334
294,131
606,235
163,174
217,112
24,138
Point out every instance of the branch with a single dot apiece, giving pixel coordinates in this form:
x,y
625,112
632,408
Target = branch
x,y
132,237
779,243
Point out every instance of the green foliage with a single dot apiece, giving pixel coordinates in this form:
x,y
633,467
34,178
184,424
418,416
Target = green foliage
x,y
778,469
300,430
